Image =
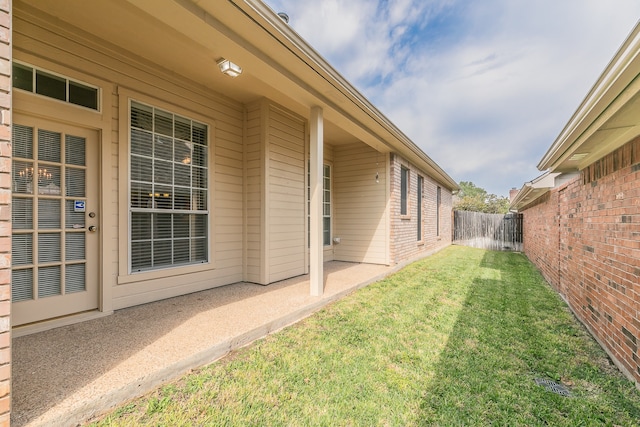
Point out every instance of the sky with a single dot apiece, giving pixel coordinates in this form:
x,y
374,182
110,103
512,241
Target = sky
x,y
483,87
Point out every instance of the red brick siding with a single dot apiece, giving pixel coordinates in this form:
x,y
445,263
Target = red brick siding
x,y
404,231
585,239
5,212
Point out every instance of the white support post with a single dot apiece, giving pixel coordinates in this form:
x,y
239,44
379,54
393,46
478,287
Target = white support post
x,y
316,154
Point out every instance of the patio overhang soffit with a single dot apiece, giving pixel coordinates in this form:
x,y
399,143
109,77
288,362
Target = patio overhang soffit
x,y
187,37
607,118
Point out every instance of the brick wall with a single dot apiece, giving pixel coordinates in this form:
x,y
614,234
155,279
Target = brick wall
x,y
404,228
585,238
5,211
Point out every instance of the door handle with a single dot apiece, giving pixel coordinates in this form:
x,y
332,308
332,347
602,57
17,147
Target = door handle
x,y
92,228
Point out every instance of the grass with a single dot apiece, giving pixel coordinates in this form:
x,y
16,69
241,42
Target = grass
x,y
455,339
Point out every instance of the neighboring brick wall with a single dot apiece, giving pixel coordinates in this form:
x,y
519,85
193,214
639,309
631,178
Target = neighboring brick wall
x,y
585,238
5,212
404,229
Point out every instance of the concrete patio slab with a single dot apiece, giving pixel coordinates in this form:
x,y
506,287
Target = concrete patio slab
x,y
64,376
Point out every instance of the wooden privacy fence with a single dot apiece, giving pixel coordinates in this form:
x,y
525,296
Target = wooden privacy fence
x,y
488,231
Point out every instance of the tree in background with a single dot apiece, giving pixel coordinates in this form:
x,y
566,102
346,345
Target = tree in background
x,y
476,199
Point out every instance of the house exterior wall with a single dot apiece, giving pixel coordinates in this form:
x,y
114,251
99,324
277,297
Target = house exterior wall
x,y
585,239
5,212
360,212
436,232
121,78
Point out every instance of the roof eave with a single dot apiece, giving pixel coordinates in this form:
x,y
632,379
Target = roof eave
x,y
621,71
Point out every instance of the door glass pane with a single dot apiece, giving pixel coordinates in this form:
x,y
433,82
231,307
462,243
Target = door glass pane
x,y
49,145
21,213
73,219
74,150
49,247
22,144
49,281
74,280
22,249
75,182
74,246
22,173
21,285
48,180
49,213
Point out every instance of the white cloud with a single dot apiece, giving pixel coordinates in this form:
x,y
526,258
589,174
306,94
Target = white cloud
x,y
482,87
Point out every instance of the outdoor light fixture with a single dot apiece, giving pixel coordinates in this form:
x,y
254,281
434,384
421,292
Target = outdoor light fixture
x,y
229,68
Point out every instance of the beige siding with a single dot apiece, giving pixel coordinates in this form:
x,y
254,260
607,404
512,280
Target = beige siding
x,y
360,214
285,195
120,77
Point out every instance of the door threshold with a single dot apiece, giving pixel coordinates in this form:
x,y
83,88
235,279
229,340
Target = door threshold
x,y
45,325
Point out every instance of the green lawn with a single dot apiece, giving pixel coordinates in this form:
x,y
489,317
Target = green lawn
x,y
455,339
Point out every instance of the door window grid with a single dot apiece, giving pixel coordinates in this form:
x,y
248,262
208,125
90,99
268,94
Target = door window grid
x,y
42,265
168,210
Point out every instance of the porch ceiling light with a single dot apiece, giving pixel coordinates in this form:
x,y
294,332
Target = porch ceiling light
x,y
229,68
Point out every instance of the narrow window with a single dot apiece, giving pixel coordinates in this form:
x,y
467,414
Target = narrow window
x,y
419,203
326,204
168,209
404,190
438,201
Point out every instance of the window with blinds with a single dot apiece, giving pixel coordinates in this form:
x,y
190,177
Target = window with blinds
x,y
168,210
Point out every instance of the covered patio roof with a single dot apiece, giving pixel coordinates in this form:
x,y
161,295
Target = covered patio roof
x,y
188,37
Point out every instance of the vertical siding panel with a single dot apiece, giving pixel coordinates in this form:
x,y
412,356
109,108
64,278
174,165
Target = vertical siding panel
x,y
286,195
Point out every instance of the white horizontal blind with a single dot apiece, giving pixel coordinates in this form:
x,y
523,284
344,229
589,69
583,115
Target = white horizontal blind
x,y
169,189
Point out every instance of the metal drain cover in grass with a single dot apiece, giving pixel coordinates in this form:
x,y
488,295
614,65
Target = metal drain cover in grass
x,y
553,387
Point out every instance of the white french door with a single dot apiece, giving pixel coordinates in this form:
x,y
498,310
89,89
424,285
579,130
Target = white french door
x,y
55,220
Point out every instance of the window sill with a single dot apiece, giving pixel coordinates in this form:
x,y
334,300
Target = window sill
x,y
405,217
164,272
